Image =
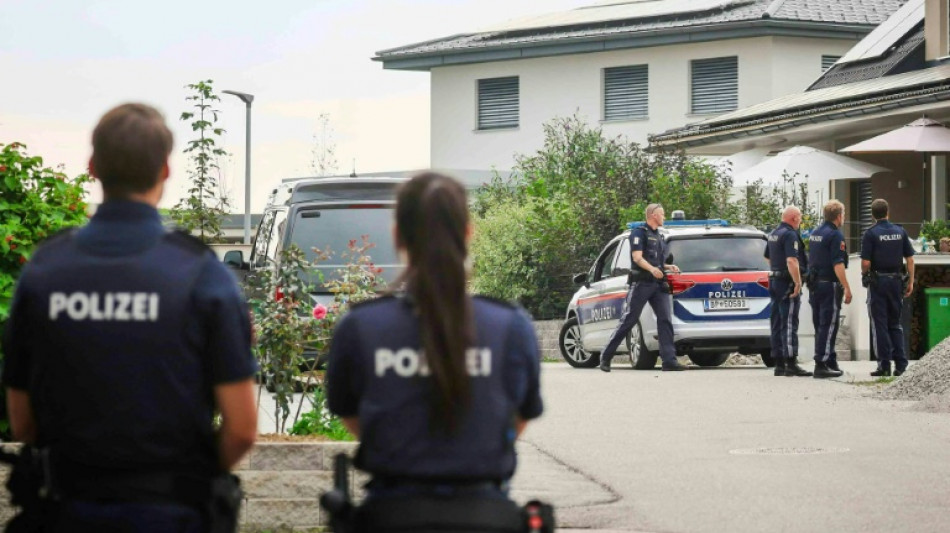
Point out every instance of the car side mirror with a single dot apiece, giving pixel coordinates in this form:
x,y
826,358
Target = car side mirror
x,y
235,259
669,259
581,278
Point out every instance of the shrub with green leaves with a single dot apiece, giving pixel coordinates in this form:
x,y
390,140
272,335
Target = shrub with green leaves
x,y
320,421
288,323
560,206
35,202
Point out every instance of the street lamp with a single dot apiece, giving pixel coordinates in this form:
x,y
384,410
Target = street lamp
x,y
247,99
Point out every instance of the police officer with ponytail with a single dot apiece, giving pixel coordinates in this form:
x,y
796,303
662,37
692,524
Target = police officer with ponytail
x,y
123,343
437,384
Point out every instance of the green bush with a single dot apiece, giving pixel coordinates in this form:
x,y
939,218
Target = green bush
x,y
553,215
319,421
934,230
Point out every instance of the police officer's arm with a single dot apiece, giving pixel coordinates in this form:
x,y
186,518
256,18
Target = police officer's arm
x,y
224,316
524,375
22,422
867,250
238,430
791,261
17,366
638,241
909,256
342,380
839,254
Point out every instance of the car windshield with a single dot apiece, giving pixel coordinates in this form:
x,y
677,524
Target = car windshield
x,y
710,253
334,228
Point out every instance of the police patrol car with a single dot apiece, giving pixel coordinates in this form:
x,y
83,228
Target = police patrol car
x,y
720,298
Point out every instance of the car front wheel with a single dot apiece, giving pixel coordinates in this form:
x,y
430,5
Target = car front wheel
x,y
572,347
640,357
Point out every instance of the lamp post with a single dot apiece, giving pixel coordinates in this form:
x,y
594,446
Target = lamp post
x,y
247,99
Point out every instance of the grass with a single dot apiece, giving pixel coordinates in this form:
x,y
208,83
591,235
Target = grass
x,y
884,380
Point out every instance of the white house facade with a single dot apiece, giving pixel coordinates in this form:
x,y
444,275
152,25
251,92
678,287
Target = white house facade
x,y
635,68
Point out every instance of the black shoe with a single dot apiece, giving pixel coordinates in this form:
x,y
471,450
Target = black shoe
x,y
675,367
834,366
898,372
604,366
793,370
823,370
779,367
883,371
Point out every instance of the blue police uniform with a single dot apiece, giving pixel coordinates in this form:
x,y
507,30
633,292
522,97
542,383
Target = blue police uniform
x,y
826,249
645,288
784,242
376,372
118,333
886,245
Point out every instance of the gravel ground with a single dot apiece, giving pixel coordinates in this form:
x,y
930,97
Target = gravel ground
x,y
927,380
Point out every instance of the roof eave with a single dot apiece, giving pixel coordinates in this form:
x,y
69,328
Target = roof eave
x,y
757,126
644,39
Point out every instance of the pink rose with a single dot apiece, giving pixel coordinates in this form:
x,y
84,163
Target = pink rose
x,y
319,312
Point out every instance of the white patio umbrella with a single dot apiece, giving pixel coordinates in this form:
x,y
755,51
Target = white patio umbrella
x,y
812,164
923,135
738,162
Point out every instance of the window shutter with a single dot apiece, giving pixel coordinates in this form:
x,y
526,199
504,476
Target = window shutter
x,y
498,103
715,85
828,61
626,93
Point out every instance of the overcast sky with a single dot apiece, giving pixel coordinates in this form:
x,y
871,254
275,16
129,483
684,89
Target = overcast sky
x,y
64,63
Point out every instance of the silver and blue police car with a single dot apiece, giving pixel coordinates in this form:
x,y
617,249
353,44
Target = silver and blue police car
x,y
720,299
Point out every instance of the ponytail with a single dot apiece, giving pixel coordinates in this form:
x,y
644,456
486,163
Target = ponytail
x,y
432,221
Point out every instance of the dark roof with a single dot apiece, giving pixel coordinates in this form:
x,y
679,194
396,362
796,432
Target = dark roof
x,y
823,18
905,56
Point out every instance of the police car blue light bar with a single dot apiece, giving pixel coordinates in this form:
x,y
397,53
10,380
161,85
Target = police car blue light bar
x,y
685,223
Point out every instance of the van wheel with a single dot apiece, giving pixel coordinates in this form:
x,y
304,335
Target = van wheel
x,y
766,356
709,359
572,347
640,357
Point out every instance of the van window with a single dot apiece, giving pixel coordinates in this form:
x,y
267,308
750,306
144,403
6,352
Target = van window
x,y
267,243
334,227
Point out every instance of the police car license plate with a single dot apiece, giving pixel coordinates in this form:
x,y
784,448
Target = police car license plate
x,y
725,304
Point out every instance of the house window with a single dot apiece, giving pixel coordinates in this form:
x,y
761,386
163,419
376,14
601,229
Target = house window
x,y
498,103
828,61
715,85
625,92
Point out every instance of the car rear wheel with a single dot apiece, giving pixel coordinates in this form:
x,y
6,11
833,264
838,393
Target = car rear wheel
x,y
640,357
766,356
709,359
572,347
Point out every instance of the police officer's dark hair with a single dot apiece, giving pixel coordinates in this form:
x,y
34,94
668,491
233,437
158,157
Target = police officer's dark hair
x,y
832,209
879,209
130,146
431,225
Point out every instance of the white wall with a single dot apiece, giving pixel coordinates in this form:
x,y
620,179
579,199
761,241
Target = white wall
x,y
560,86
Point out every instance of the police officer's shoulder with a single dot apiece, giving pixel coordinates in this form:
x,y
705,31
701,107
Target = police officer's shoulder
x,y
378,300
51,242
497,301
187,241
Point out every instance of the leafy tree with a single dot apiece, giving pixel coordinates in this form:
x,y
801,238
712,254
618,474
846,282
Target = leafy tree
x,y
561,205
35,202
323,154
205,206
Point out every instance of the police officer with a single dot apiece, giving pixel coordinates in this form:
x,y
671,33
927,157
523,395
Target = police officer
x,y
650,252
786,254
882,248
827,260
123,341
436,383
